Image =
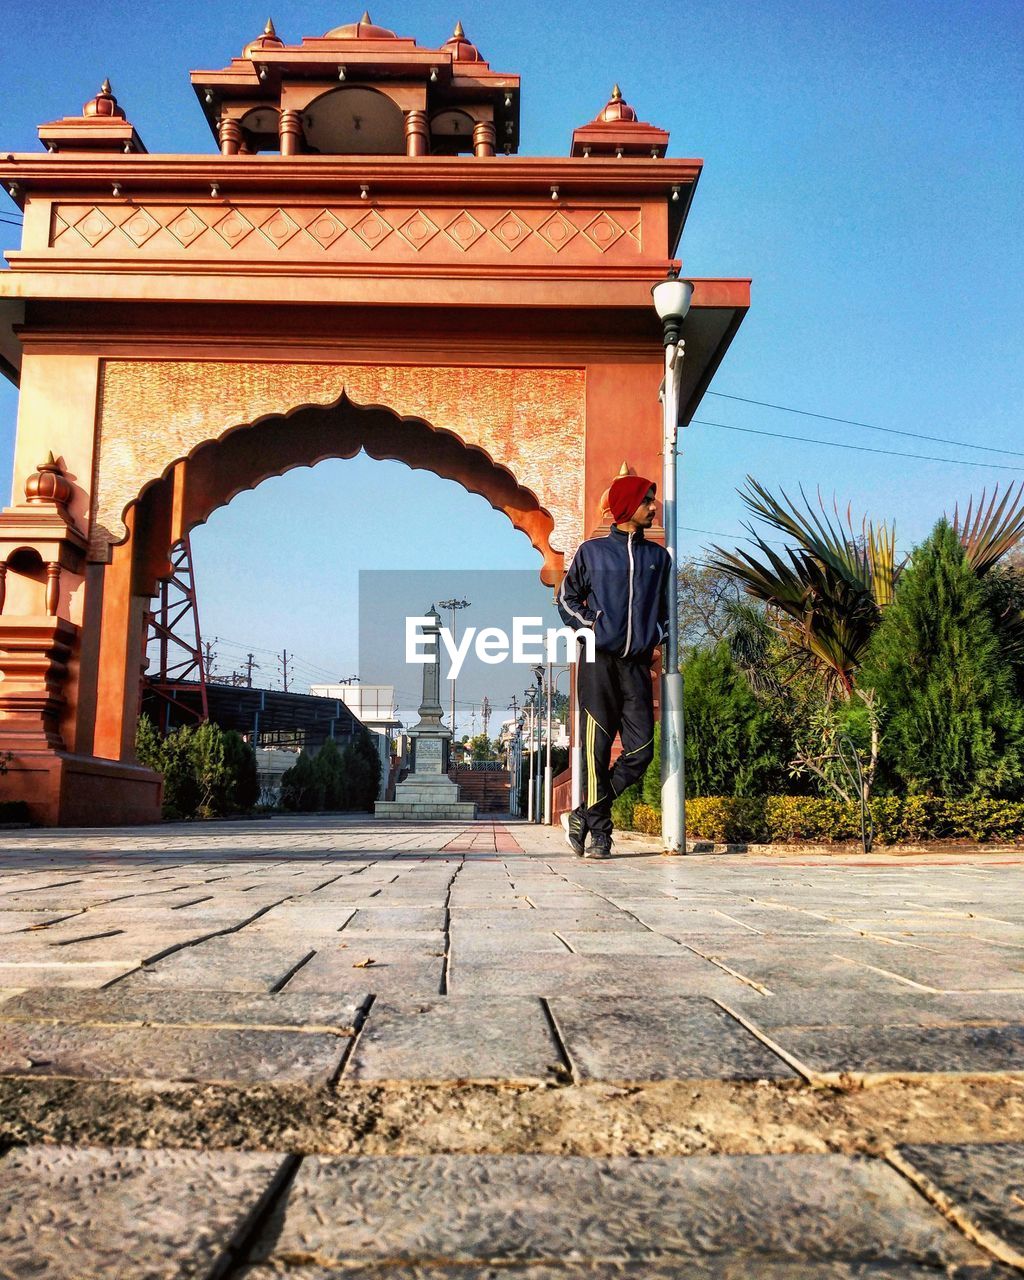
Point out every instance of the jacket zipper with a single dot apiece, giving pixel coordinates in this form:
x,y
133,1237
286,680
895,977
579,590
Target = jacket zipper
x,y
629,607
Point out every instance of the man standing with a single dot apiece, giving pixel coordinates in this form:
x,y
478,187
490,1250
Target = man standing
x,y
618,586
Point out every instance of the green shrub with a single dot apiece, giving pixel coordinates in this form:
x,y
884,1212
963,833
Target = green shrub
x,y
207,771
818,819
732,740
953,720
647,820
726,818
329,767
624,806
302,787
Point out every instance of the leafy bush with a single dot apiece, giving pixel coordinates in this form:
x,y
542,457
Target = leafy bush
x,y
207,771
647,820
783,819
624,807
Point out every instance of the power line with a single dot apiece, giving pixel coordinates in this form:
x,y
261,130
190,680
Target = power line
x,y
12,222
868,426
860,448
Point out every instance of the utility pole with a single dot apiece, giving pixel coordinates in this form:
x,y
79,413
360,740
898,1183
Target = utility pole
x,y
284,669
209,657
250,663
452,605
485,713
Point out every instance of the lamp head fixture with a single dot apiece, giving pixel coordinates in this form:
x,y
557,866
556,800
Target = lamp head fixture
x,y
672,298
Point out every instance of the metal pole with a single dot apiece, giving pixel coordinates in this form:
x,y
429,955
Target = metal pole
x,y
577,745
673,782
547,759
530,811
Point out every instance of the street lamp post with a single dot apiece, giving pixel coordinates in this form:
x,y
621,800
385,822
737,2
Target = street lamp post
x,y
530,802
452,605
672,298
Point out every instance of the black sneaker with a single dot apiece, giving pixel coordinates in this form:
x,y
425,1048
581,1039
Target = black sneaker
x,y
600,847
575,832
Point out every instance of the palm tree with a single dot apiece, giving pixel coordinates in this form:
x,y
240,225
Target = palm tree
x,y
828,592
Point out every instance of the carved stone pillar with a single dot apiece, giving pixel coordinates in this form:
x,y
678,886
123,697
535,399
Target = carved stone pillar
x,y
417,134
483,138
290,130
37,541
34,655
229,133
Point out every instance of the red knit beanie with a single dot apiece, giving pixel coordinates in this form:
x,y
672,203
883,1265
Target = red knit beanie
x,y
626,494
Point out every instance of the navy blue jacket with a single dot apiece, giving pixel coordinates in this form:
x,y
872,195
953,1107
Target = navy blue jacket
x,y
618,585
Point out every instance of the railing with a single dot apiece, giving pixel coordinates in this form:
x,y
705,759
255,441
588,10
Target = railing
x,y
483,766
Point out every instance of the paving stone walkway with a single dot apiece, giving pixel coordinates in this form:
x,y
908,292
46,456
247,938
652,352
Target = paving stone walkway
x,y
316,964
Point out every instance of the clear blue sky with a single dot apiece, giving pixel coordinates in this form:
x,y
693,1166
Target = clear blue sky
x,y
864,163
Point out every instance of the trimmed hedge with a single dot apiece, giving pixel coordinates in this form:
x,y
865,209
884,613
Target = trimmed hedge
x,y
784,819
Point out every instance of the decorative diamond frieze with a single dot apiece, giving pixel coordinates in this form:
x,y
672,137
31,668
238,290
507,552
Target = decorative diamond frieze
x,y
603,231
60,225
557,231
510,230
186,226
140,226
373,230
325,228
233,227
418,230
93,226
279,228
464,230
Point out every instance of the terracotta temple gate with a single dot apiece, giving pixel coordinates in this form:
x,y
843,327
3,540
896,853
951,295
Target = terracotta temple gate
x,y
366,263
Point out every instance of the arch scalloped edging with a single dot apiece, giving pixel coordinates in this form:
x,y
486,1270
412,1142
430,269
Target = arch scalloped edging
x,y
553,558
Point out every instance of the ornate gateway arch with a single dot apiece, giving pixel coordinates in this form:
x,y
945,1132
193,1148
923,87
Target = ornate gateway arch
x,y
365,263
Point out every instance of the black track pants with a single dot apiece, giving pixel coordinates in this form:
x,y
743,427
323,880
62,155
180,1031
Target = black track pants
x,y
615,697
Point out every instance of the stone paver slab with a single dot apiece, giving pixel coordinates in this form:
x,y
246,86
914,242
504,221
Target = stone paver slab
x,y
551,975
400,921
619,942
906,1007
658,1037
466,1209
169,1053
61,975
177,1008
222,964
455,1038
983,1181
883,1050
334,971
124,1214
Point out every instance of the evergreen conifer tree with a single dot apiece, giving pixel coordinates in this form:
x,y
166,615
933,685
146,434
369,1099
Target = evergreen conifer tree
x,y
952,723
301,787
330,769
362,772
734,743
